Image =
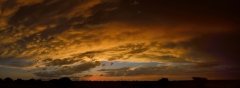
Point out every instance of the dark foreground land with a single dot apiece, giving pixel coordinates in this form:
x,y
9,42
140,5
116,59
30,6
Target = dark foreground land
x,y
66,83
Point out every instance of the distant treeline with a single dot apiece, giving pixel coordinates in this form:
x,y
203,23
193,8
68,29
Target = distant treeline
x,y
65,82
8,79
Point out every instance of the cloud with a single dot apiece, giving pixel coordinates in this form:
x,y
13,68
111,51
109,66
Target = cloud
x,y
15,62
67,70
223,47
9,8
56,33
59,62
176,12
164,58
11,72
30,34
166,70
29,2
131,71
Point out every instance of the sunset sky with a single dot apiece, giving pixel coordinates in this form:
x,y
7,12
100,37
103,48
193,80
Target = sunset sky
x,y
120,39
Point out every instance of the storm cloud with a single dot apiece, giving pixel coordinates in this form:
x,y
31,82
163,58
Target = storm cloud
x,y
54,38
68,70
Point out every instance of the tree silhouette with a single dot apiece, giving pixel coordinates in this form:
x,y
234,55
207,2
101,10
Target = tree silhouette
x,y
19,81
8,79
200,81
32,81
65,79
64,82
164,82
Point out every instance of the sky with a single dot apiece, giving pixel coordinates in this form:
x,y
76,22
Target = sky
x,y
119,39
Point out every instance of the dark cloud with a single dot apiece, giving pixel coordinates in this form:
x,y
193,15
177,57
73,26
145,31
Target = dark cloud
x,y
207,65
16,62
60,62
203,33
119,52
87,75
215,51
135,48
165,58
67,70
224,47
175,11
180,70
89,54
128,50
131,71
52,17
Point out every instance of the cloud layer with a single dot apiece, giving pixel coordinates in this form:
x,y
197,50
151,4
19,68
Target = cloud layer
x,y
86,38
